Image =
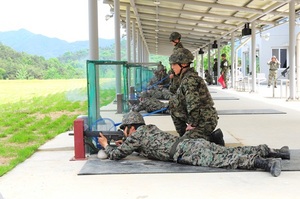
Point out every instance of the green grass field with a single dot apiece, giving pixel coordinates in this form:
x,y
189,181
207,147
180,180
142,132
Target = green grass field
x,y
35,111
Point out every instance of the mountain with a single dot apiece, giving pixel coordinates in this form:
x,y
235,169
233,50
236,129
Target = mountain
x,y
25,41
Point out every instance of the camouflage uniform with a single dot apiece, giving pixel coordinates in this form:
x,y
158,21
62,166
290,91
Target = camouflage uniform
x,y
208,78
150,104
175,81
153,143
193,104
160,93
273,72
224,70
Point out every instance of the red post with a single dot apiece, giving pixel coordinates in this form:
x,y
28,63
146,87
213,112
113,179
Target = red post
x,y
79,147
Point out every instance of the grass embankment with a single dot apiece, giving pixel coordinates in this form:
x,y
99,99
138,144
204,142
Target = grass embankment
x,y
38,117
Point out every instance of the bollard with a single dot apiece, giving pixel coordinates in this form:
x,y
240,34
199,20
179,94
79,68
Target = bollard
x,y
119,103
79,147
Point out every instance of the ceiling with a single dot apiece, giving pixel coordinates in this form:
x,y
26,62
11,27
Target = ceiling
x,y
200,22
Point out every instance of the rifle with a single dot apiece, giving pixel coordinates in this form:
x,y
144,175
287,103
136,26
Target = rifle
x,y
110,135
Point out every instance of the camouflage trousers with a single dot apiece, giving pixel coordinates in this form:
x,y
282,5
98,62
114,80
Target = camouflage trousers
x,y
200,152
272,77
203,130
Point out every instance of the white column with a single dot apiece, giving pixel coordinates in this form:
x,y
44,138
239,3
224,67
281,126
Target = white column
x,y
208,58
117,44
134,41
253,56
233,67
298,65
292,48
93,30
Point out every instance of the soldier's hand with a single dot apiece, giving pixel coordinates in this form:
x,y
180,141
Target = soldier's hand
x,y
189,127
102,140
119,142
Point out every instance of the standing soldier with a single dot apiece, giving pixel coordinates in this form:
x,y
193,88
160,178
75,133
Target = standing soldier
x,y
274,65
215,70
174,38
224,69
153,143
192,107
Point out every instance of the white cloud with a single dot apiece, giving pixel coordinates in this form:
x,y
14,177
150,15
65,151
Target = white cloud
x,y
63,19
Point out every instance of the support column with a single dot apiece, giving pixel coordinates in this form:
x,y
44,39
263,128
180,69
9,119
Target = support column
x,y
233,67
298,66
292,48
117,44
94,47
128,37
134,41
253,56
208,58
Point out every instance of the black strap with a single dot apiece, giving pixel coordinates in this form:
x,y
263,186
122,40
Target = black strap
x,y
173,148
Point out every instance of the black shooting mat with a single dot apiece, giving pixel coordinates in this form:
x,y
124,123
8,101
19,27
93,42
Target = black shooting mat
x,y
134,164
249,111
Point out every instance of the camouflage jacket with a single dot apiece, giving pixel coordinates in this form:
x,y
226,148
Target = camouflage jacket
x,y
224,66
192,100
274,65
149,104
148,140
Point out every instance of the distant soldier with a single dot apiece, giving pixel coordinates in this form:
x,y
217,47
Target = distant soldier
x,y
224,69
215,70
192,107
153,143
208,77
150,104
274,65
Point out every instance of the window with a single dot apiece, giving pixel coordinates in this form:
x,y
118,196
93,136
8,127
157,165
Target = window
x,y
281,55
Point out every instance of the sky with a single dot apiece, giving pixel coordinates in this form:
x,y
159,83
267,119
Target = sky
x,y
62,19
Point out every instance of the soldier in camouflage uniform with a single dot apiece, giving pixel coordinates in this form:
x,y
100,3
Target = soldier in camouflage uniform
x,y
224,69
192,107
150,104
153,143
160,93
274,65
174,38
208,78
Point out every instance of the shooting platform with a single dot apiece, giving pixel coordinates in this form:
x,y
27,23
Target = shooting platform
x,y
135,164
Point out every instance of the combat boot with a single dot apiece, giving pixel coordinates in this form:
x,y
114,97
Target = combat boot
x,y
271,165
283,153
217,137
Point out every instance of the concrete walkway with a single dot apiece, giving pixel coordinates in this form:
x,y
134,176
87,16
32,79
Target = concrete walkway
x,y
49,173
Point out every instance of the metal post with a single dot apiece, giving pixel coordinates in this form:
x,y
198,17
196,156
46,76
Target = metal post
x,y
298,65
119,103
128,36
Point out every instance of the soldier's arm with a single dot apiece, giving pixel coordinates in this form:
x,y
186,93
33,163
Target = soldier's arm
x,y
130,145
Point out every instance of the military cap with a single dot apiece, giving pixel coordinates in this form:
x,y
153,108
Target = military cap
x,y
131,118
181,56
174,36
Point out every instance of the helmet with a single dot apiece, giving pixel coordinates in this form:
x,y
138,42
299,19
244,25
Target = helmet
x,y
174,36
132,117
181,56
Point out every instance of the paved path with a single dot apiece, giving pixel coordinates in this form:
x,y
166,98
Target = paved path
x,y
49,173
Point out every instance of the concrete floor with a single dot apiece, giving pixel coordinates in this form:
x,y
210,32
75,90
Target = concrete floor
x,y
49,173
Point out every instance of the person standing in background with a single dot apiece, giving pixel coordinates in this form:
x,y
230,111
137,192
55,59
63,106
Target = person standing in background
x,y
274,65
